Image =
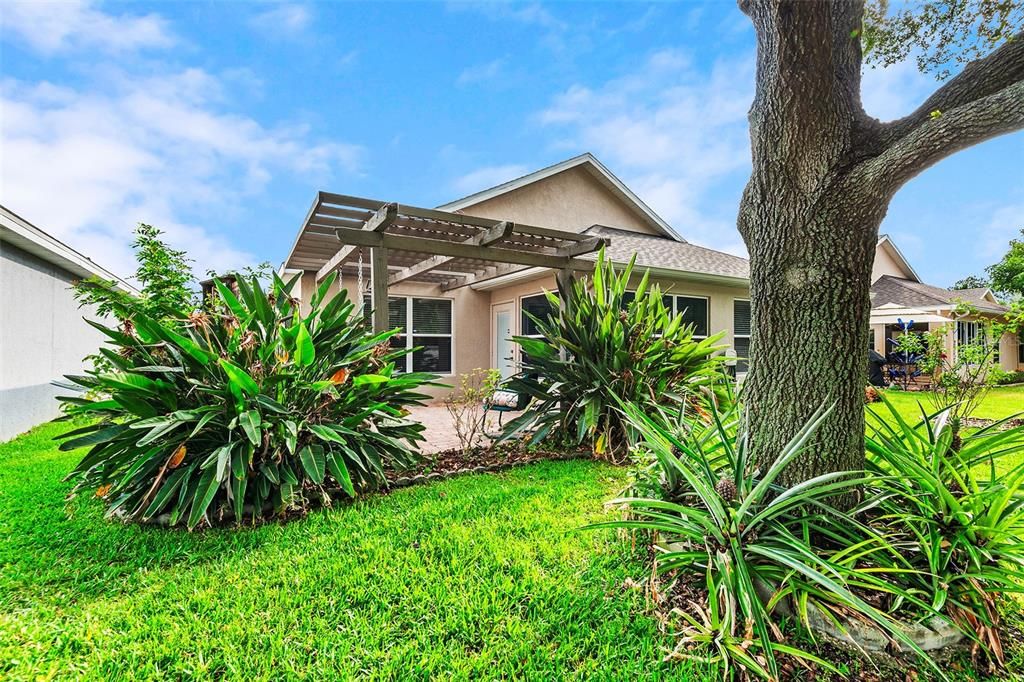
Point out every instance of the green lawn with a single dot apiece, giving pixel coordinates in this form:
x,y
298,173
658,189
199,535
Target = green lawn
x,y
479,577
1001,402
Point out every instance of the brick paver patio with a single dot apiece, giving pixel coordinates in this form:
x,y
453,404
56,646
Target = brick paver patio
x,y
440,433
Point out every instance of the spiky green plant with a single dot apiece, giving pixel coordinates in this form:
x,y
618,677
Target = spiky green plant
x,y
759,546
599,347
242,408
957,514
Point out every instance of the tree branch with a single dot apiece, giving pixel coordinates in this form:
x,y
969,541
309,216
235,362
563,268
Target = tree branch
x,y
979,79
942,135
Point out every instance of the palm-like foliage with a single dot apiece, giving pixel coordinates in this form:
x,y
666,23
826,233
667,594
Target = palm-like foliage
x,y
759,545
600,346
957,515
243,407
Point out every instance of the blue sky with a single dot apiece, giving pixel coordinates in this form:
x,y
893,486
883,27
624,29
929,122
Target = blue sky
x,y
219,121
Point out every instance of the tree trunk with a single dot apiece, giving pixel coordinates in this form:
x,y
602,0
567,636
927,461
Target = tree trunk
x,y
809,281
823,174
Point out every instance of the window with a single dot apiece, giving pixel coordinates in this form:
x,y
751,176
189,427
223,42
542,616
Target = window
x,y
539,307
694,310
967,333
1020,349
741,333
430,320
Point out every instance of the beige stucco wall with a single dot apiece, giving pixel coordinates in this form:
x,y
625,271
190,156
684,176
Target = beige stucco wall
x,y
571,200
886,264
720,300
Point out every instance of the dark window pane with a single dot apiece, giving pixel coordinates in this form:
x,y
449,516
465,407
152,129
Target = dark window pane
x,y
540,308
396,313
628,298
1020,348
434,356
741,317
742,347
431,316
694,312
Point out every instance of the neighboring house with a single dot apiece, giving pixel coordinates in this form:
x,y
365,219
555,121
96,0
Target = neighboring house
x,y
470,327
42,332
897,293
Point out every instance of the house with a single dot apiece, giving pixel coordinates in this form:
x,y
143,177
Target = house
x,y
43,335
463,322
898,296
463,309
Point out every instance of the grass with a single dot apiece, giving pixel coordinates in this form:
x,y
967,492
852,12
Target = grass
x,y
479,577
1000,402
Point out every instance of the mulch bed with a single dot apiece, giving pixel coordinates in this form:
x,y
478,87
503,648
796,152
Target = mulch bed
x,y
976,423
455,462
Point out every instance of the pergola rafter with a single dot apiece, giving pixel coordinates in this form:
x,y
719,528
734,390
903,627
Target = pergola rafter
x,y
410,243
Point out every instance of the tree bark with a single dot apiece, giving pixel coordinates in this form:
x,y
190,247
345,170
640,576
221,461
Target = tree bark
x,y
823,174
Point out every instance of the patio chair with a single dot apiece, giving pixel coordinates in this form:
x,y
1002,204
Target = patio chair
x,y
503,401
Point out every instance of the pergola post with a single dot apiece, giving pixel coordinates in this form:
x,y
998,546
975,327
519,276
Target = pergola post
x,y
565,280
379,281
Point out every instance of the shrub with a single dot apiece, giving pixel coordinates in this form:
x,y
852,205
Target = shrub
x,y
752,544
600,347
243,407
1007,378
958,514
465,404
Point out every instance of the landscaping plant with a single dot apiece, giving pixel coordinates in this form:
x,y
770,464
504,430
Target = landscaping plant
x,y
600,346
956,514
243,407
466,405
755,548
961,379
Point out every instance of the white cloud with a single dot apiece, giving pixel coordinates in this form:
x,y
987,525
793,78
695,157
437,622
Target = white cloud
x,y
50,27
287,19
488,176
1004,224
673,133
481,72
895,91
87,164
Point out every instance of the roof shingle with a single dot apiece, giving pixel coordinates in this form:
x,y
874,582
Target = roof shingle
x,y
659,252
905,292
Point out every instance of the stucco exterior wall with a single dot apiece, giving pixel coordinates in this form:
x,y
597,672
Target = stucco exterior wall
x,y
571,200
885,264
42,338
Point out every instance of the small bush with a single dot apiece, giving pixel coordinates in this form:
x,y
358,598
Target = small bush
x,y
466,404
958,512
1007,378
242,408
749,544
599,348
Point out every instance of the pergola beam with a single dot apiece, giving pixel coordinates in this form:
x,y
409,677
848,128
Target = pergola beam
x,y
437,247
382,218
489,236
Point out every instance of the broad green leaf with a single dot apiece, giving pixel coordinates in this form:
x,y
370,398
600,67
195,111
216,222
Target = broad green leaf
x,y
250,422
239,377
313,461
305,353
203,496
364,379
336,464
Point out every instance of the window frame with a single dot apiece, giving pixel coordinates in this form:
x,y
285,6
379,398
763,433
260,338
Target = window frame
x,y
408,334
522,313
707,311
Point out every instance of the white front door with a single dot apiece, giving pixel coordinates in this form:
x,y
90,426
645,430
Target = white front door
x,y
501,328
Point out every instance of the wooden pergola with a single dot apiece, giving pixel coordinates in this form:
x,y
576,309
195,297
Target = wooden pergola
x,y
413,244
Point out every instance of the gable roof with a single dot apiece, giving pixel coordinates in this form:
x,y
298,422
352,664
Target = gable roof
x,y
658,252
905,292
24,235
886,241
597,169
